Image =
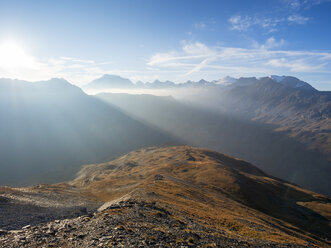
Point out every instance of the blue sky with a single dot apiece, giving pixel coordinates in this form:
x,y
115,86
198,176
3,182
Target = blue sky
x,y
166,40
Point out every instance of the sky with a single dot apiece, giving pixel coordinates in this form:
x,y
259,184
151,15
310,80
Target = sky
x,y
166,40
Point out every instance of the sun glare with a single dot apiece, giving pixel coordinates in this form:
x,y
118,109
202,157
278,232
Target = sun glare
x,y
12,56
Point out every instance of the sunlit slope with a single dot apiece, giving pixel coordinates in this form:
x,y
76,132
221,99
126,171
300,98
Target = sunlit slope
x,y
258,143
217,190
304,114
49,129
292,105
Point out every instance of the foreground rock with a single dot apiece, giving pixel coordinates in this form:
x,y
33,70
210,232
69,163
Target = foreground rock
x,y
21,207
126,224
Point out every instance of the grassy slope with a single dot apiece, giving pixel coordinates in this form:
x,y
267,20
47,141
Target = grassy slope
x,y
216,190
258,143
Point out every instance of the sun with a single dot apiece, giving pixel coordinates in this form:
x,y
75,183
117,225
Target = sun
x,y
12,56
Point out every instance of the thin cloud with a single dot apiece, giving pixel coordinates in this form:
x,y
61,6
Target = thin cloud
x,y
243,23
298,19
296,65
78,60
296,5
270,43
197,57
192,60
78,71
240,23
200,66
270,23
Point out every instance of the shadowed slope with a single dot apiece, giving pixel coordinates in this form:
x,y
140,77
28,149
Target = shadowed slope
x,y
274,152
49,129
303,112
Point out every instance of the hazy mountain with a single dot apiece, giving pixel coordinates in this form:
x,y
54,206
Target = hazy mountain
x,y
49,129
225,81
302,111
289,81
274,152
168,84
108,82
292,82
159,84
244,81
176,196
199,84
114,81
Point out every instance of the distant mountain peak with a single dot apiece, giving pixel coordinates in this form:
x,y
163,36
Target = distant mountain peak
x,y
292,82
226,81
56,81
202,81
110,76
109,81
277,78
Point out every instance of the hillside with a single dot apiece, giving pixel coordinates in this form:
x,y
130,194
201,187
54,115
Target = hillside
x,y
302,112
49,129
177,196
305,114
292,105
273,152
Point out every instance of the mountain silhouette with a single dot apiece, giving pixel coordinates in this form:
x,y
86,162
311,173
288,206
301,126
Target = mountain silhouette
x,y
49,129
108,82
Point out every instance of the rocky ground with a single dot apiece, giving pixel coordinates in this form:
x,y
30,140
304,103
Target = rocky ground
x,y
125,224
31,206
165,197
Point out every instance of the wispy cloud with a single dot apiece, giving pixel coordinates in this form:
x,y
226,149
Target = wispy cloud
x,y
243,23
296,65
292,4
196,57
298,19
78,71
270,24
270,43
271,21
240,23
77,60
296,5
191,61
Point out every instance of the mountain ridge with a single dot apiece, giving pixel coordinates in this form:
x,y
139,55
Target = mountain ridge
x,y
109,81
256,142
180,195
114,81
49,129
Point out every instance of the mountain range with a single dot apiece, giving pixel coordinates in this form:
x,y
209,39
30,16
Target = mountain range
x,y
289,103
54,126
129,170
114,81
275,152
292,106
49,129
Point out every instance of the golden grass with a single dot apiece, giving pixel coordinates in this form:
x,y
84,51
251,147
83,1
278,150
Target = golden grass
x,y
214,189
